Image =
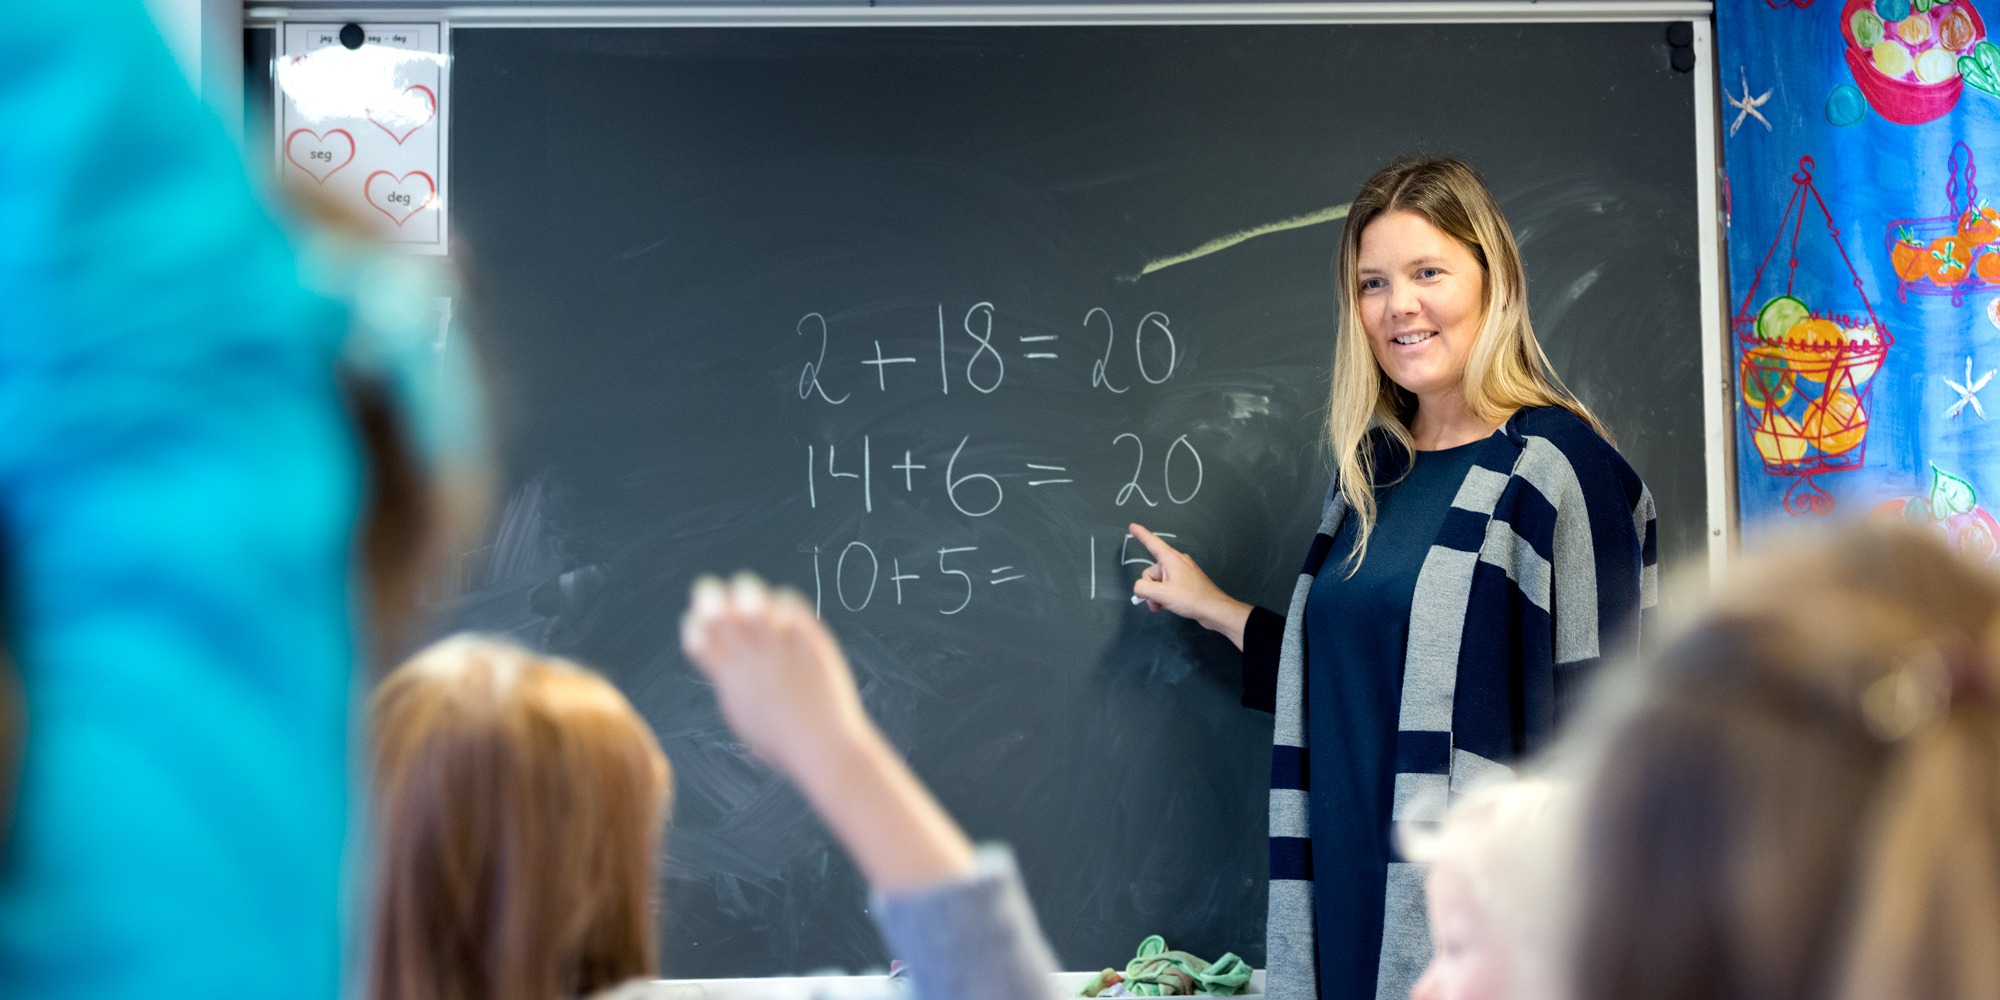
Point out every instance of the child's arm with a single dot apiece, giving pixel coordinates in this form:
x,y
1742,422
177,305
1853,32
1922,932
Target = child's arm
x,y
787,692
961,920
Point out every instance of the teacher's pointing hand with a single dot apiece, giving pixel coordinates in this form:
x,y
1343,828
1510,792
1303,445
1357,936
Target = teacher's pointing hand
x,y
1176,584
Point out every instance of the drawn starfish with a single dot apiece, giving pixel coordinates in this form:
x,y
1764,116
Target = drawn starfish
x,y
1968,392
1746,105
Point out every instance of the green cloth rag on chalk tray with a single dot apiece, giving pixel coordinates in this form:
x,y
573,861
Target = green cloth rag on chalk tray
x,y
1157,971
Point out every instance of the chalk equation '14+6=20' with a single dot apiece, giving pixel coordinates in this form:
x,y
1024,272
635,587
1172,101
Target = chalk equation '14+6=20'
x,y
977,493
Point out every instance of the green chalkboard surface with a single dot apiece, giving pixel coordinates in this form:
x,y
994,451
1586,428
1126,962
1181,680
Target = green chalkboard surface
x,y
863,310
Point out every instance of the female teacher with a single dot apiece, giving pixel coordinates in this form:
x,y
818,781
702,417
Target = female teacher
x,y
1482,548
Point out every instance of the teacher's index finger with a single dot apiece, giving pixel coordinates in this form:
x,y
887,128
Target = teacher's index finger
x,y
1160,550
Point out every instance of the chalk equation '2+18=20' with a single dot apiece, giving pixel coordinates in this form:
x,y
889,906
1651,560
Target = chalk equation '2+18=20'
x,y
985,367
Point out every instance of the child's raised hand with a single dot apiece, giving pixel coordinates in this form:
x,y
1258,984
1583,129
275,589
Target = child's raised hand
x,y
787,692
781,680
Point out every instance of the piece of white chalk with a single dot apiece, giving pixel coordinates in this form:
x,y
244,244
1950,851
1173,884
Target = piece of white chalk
x,y
1136,599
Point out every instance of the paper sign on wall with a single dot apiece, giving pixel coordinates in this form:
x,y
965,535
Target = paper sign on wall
x,y
367,126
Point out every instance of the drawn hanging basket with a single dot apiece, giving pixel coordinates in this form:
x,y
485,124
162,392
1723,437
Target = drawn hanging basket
x,y
1956,254
1803,373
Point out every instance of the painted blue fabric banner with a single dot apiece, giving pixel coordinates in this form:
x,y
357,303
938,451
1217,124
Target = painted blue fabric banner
x,y
1861,142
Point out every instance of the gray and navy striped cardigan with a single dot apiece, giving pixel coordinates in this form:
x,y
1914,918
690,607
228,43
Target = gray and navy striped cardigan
x,y
1544,562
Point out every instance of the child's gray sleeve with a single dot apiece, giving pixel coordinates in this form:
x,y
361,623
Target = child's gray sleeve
x,y
972,938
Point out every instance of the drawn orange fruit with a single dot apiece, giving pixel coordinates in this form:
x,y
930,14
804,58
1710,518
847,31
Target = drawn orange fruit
x,y
1812,346
1987,265
1778,438
1835,423
1915,29
1765,377
1907,256
1955,30
1980,224
1950,260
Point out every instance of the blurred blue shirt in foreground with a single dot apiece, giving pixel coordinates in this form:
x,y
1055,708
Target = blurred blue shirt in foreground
x,y
179,488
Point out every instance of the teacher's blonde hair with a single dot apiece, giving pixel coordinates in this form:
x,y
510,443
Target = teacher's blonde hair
x,y
1507,369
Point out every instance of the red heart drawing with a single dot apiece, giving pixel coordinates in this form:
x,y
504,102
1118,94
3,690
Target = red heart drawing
x,y
430,113
320,155
401,197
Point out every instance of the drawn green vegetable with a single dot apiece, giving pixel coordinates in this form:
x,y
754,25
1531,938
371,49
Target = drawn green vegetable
x,y
1981,67
1950,494
1779,316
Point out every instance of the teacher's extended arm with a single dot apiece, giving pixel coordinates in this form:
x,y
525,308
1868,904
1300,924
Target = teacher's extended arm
x,y
1174,583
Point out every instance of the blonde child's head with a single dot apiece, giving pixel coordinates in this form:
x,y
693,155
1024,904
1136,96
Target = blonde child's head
x,y
1487,893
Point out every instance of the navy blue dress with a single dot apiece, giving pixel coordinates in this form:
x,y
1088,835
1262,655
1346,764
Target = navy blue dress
x,y
1357,629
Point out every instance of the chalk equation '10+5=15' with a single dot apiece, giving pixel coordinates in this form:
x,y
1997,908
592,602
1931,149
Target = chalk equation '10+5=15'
x,y
854,575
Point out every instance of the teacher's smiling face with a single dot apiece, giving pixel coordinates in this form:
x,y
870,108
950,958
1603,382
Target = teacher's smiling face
x,y
1421,294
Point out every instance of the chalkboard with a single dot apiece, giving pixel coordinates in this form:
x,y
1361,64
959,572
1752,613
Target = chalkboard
x,y
857,309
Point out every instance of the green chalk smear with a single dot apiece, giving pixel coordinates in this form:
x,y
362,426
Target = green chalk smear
x,y
1223,243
